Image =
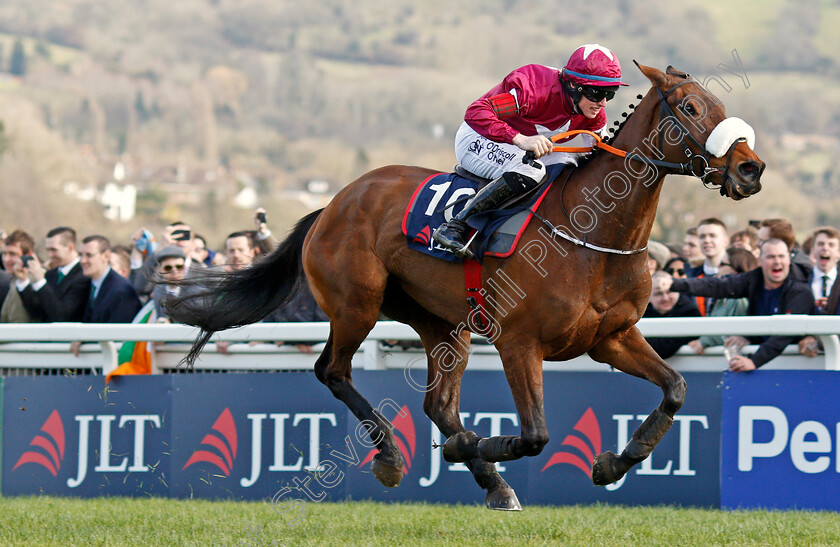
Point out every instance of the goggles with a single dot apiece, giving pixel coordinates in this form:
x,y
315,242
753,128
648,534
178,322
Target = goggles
x,y
597,93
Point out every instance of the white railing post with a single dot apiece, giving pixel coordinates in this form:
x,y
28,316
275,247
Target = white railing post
x,y
109,356
831,345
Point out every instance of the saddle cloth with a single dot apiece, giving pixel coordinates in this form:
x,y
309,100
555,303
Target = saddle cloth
x,y
441,196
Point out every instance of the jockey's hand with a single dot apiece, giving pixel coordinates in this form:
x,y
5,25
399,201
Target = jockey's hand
x,y
537,144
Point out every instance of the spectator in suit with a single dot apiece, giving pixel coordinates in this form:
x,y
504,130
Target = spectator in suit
x,y
826,252
112,299
771,289
825,283
59,294
17,245
666,303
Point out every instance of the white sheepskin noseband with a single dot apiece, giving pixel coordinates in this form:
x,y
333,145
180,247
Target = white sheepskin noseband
x,y
727,132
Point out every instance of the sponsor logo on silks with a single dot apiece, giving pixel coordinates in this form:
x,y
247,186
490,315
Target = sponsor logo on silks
x,y
424,236
52,442
404,425
224,442
587,428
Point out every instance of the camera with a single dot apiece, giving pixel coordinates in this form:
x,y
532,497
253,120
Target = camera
x,y
261,217
26,259
181,235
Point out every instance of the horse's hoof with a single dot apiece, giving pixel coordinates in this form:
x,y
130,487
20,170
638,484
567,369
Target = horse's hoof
x,y
461,447
386,473
503,499
605,469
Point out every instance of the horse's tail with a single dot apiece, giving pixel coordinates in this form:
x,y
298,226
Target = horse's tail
x,y
221,300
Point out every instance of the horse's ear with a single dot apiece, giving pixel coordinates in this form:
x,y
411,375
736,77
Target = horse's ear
x,y
656,76
678,73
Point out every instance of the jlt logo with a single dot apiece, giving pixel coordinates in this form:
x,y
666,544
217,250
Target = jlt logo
x,y
53,442
224,442
586,442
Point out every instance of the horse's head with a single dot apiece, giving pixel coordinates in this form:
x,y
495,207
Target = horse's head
x,y
693,127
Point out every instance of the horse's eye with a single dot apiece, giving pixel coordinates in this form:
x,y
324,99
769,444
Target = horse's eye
x,y
689,109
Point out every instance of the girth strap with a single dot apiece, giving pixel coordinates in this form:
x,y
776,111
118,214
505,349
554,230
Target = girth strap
x,y
475,296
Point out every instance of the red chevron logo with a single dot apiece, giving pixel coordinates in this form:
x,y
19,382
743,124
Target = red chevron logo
x,y
53,446
404,425
588,429
424,235
224,442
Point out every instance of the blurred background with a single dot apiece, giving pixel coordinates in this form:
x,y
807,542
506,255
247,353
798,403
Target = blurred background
x,y
115,115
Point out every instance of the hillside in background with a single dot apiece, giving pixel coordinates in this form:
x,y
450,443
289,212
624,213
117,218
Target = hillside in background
x,y
203,103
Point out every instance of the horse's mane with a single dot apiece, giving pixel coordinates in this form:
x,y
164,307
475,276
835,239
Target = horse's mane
x,y
614,132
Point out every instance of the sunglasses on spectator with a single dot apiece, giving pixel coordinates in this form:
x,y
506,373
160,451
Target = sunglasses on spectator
x,y
169,268
676,271
597,94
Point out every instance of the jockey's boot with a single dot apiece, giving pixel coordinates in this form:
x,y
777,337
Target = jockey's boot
x,y
452,235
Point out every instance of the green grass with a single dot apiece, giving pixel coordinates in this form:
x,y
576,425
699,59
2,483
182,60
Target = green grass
x,y
121,521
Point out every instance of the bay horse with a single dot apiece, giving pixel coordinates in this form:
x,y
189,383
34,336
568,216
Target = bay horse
x,y
582,297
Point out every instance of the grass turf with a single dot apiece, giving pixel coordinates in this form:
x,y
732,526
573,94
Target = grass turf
x,y
123,521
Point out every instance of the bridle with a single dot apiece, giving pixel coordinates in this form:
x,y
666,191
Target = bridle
x,y
696,166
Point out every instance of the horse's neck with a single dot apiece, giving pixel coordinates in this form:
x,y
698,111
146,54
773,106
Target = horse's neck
x,y
623,217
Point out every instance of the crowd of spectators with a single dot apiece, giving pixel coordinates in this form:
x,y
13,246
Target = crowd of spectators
x,y
92,280
759,270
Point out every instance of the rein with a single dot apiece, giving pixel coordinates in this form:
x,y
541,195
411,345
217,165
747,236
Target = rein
x,y
701,171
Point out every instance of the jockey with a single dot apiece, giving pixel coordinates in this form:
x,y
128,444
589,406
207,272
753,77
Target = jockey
x,y
519,115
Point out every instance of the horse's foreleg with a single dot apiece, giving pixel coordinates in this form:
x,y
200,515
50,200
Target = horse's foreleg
x,y
523,369
630,353
447,360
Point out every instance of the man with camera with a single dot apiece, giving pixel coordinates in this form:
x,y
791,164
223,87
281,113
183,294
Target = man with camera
x,y
18,257
60,293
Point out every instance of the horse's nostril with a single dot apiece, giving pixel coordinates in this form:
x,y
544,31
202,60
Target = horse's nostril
x,y
750,170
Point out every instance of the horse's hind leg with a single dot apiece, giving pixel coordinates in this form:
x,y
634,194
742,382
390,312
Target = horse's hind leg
x,y
629,352
353,303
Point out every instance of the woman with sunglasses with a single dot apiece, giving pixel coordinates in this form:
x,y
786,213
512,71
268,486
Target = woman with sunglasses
x,y
676,267
531,104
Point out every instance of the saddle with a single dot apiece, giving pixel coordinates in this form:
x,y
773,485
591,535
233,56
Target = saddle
x,y
442,195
